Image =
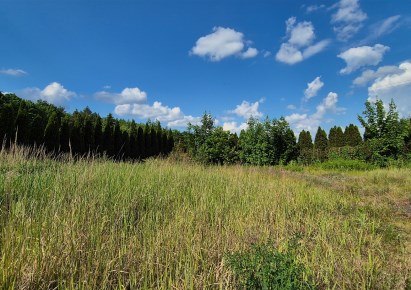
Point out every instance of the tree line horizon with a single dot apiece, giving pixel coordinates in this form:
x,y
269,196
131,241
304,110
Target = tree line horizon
x,y
268,142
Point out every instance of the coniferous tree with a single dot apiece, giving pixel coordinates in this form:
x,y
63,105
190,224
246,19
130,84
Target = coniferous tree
x,y
134,146
321,144
352,136
37,130
98,135
88,132
305,147
336,137
65,133
108,139
118,141
7,123
141,143
23,124
52,133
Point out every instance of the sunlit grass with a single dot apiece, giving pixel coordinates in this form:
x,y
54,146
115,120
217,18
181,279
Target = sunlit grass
x,y
163,224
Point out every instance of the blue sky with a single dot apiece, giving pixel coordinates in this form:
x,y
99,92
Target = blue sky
x,y
313,62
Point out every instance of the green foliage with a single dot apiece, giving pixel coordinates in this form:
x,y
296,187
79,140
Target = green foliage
x,y
345,165
79,133
336,137
264,268
320,145
305,147
270,142
352,136
385,133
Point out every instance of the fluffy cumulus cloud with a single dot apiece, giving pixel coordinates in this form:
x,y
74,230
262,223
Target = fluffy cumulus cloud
x,y
395,85
358,57
247,110
128,95
348,19
311,122
222,43
54,93
13,72
145,111
313,88
233,127
299,45
370,75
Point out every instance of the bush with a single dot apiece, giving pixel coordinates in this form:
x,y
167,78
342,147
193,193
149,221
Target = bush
x,y
345,165
264,268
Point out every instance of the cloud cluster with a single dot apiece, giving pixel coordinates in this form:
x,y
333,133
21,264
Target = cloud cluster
x,y
358,57
369,75
247,110
156,111
395,85
348,19
233,127
128,95
313,88
53,93
222,43
311,122
13,72
299,44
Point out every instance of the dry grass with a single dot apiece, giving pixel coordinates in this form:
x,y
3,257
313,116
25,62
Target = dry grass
x,y
166,225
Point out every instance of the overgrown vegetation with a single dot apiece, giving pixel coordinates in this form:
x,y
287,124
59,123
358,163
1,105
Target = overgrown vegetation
x,y
44,125
99,224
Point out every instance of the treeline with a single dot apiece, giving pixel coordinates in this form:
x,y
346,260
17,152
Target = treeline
x,y
272,142
79,133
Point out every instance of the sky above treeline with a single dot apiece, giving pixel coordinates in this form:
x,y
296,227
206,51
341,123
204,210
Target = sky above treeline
x,y
313,62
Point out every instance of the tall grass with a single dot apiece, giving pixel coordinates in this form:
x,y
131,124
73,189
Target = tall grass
x,y
98,224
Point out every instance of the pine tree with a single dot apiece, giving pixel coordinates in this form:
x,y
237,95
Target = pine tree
x,y
134,147
305,147
52,133
65,134
141,143
336,137
98,135
118,141
321,144
7,123
352,136
108,140
23,125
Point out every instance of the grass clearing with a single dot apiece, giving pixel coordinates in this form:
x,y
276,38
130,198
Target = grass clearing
x,y
165,224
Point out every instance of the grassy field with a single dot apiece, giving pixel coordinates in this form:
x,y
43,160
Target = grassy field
x,y
169,225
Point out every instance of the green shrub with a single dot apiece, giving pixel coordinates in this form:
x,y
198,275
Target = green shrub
x,y
345,165
264,268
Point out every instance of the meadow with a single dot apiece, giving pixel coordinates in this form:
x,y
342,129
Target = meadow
x,y
167,224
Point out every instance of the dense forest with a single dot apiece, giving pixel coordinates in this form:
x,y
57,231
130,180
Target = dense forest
x,y
387,137
80,133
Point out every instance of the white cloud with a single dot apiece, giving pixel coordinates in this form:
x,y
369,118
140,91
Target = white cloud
x,y
145,111
54,93
384,27
249,53
266,53
315,48
370,75
233,127
246,110
299,44
358,57
313,8
397,86
313,88
222,43
128,95
13,72
183,122
348,19
291,107
311,122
